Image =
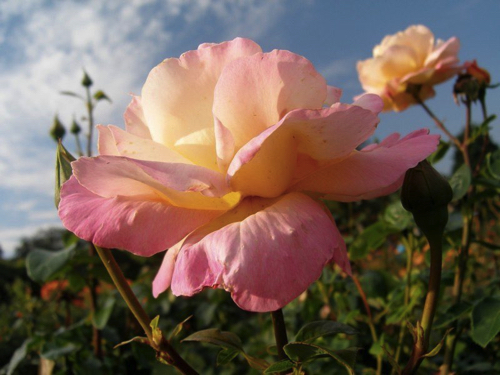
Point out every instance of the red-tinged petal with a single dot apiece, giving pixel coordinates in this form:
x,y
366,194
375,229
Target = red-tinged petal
x,y
141,226
136,147
183,185
255,92
371,172
265,252
134,119
177,97
266,165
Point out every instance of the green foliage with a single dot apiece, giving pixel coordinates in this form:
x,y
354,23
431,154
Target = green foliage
x,y
42,264
486,320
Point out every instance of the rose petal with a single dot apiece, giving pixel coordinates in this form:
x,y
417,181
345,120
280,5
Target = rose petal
x,y
265,252
371,102
255,92
266,165
333,95
371,172
164,276
134,119
106,144
177,97
141,226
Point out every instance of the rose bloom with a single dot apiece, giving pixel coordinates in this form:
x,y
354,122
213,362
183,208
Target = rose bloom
x,y
224,157
408,57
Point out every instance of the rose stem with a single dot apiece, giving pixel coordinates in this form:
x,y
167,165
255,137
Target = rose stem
x,y
279,332
142,317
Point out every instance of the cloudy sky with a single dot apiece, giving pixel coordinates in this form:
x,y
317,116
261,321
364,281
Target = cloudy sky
x,y
44,45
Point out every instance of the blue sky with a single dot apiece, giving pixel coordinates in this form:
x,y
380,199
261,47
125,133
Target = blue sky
x,y
45,44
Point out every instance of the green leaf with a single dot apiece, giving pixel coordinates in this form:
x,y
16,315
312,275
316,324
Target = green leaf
x,y
256,363
485,321
55,351
280,366
225,356
101,317
371,238
460,181
71,93
303,352
139,339
63,170
312,331
453,313
18,356
397,217
441,151
215,336
157,333
42,264
178,328
438,347
100,95
493,164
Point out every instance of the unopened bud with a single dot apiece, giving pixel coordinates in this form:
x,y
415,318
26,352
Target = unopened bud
x,y
63,170
75,128
480,74
86,81
57,131
466,88
426,194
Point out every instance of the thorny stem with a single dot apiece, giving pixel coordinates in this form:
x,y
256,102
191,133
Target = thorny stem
x,y
373,332
165,350
409,267
279,332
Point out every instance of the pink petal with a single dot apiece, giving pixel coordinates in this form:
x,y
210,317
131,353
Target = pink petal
x,y
184,185
164,276
136,147
266,165
265,252
134,119
444,51
371,102
333,95
178,94
106,142
141,226
371,172
255,92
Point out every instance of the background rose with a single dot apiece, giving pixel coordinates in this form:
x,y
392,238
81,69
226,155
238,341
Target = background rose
x,y
218,152
408,57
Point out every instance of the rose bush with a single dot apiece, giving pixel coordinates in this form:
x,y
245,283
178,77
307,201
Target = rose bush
x,y
224,158
408,57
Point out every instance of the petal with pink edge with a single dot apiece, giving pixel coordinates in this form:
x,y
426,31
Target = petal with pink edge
x,y
135,123
255,92
141,226
265,252
106,144
178,94
163,278
182,185
266,165
371,172
333,95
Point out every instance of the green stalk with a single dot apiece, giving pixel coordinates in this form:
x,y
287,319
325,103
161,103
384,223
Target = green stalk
x,y
279,332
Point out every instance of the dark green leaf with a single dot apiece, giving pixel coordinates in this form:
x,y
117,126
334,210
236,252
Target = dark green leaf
x,y
100,95
55,351
101,317
303,352
485,321
441,151
141,340
225,356
493,163
314,330
460,181
453,313
371,238
256,363
280,366
63,170
42,264
438,347
216,337
397,217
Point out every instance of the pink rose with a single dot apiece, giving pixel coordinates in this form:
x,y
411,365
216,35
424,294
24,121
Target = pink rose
x,y
224,157
408,57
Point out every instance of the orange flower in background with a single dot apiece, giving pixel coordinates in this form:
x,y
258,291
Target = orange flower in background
x,y
409,57
52,289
